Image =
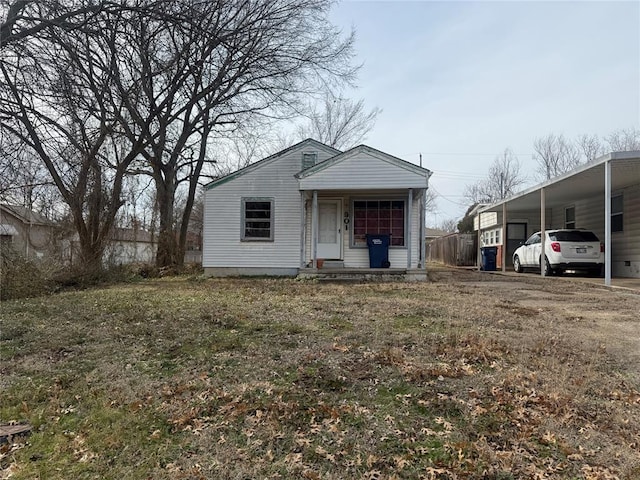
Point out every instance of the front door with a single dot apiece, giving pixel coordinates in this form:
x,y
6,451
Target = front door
x,y
330,229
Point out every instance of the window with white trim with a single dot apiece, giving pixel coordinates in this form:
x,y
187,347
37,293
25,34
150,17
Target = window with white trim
x,y
570,217
257,220
617,218
492,237
378,217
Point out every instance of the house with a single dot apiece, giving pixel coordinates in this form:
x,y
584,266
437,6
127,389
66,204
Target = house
x,y
279,216
602,196
27,232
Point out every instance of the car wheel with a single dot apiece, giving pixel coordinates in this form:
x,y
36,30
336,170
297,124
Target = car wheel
x,y
548,271
516,264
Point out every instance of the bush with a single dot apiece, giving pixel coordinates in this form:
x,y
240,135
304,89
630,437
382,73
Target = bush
x,y
22,277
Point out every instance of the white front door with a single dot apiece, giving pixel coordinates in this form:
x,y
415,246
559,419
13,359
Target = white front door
x,y
330,229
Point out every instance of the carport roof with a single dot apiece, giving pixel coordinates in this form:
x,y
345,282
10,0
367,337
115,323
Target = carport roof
x,y
583,182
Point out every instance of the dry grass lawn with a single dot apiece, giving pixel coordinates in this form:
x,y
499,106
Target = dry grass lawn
x,y
469,376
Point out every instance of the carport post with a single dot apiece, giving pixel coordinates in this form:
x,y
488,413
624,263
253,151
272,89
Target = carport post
x,y
479,252
504,236
543,242
607,223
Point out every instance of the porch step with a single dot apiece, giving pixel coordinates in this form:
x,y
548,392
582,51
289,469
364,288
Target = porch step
x,y
361,274
333,264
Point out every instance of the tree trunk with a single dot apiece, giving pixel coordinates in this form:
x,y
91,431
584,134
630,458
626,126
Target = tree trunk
x,y
168,250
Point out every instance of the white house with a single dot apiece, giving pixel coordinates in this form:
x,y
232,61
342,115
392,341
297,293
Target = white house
x,y
279,216
602,195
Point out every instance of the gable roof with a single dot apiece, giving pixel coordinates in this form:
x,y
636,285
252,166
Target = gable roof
x,y
309,142
25,215
398,162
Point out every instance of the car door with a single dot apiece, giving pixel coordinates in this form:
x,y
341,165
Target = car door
x,y
532,250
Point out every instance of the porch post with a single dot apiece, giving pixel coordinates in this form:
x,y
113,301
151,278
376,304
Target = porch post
x,y
410,218
423,226
504,236
479,249
607,223
303,225
314,229
542,231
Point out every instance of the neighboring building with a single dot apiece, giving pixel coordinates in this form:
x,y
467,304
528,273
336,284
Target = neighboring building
x,y
309,202
27,232
125,245
433,233
129,245
602,196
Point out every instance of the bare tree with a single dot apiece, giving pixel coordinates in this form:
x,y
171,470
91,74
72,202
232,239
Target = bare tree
x,y
448,225
555,155
624,140
503,179
341,123
590,146
230,61
59,100
102,89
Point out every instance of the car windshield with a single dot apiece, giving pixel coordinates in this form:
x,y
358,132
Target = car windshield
x,y
573,236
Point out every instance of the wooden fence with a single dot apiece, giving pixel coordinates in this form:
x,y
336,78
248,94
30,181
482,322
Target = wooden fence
x,y
457,249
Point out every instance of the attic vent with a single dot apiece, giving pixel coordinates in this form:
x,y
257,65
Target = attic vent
x,y
309,160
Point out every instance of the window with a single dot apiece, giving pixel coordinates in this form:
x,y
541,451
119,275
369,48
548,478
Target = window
x,y
616,213
257,219
574,236
491,237
533,239
378,217
5,240
309,160
570,217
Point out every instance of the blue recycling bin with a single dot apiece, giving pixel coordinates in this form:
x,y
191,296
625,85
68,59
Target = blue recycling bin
x,y
488,256
378,250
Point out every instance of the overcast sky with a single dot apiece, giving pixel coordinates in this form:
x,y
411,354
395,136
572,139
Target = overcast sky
x,y
461,81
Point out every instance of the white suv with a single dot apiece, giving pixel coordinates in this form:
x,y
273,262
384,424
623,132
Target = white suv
x,y
565,250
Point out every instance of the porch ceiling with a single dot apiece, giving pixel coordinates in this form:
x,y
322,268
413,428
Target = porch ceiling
x,y
584,183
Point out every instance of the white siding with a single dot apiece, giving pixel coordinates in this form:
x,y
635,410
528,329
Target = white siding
x,y
362,171
626,244
222,246
358,257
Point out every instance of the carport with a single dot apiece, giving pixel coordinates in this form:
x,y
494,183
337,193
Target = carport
x,y
581,198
